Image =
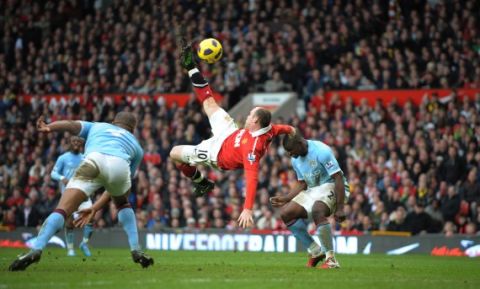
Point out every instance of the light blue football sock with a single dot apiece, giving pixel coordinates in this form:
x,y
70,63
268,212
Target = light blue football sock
x,y
87,233
69,237
126,217
324,232
52,225
299,230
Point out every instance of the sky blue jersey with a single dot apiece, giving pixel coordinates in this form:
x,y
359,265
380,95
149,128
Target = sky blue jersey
x,y
112,140
318,166
65,167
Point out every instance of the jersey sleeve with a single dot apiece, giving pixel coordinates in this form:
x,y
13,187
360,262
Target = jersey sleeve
x,y
56,173
136,162
251,161
86,126
281,129
329,162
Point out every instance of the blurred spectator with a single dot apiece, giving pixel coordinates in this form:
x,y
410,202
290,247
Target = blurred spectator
x,y
28,215
276,84
398,222
449,229
419,221
267,221
450,204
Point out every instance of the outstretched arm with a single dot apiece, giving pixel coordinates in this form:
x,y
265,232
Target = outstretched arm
x,y
251,180
71,126
282,129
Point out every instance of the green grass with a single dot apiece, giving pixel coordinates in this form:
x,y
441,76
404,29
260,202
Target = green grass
x,y
113,268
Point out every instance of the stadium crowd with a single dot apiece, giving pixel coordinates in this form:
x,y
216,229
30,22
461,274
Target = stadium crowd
x,y
130,46
410,168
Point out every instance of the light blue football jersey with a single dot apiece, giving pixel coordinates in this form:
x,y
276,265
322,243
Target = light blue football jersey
x,y
65,166
318,166
112,140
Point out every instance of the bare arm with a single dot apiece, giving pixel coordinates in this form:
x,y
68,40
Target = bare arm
x,y
339,190
339,215
282,200
71,126
102,201
296,189
86,215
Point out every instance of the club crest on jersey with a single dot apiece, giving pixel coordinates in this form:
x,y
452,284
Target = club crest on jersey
x,y
251,158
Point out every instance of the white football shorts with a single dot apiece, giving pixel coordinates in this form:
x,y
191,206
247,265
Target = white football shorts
x,y
98,170
324,193
206,152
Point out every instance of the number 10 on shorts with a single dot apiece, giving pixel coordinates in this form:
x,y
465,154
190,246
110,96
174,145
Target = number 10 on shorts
x,y
201,154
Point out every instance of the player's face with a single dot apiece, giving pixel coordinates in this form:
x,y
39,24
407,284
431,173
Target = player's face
x,y
251,118
76,145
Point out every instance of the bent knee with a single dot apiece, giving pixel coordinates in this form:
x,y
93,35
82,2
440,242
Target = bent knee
x,y
286,215
210,106
176,153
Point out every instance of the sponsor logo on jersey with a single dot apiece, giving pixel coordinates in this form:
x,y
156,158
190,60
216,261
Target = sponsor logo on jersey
x,y
329,165
238,137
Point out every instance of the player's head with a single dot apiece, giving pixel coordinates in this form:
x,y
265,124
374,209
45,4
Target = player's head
x,y
76,144
295,145
126,120
258,118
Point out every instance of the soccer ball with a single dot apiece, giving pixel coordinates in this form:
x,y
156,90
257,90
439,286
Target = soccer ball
x,y
210,50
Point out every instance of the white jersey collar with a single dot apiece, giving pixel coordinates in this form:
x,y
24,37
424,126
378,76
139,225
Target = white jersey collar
x,y
261,131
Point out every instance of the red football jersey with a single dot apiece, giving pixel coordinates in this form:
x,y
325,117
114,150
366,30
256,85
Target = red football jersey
x,y
243,149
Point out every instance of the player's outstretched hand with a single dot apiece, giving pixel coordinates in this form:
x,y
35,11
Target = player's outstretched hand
x,y
84,217
339,216
246,219
279,201
187,59
41,125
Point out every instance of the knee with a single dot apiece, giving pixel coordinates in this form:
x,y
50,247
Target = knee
x,y
175,153
286,216
210,106
320,220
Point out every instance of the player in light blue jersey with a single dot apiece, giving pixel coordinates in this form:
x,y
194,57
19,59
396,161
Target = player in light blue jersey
x,y
112,155
320,191
62,172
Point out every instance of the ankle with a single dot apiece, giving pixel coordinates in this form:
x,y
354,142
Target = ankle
x,y
330,254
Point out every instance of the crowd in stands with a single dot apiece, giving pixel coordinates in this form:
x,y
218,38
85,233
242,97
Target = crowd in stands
x,y
410,168
131,46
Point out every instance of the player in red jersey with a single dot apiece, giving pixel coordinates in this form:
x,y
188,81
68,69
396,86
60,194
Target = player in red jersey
x,y
230,147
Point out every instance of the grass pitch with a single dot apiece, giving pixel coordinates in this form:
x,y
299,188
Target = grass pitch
x,y
113,268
